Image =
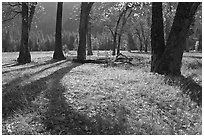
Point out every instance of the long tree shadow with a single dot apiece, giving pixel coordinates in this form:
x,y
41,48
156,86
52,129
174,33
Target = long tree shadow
x,y
25,77
9,64
16,97
62,118
188,86
35,65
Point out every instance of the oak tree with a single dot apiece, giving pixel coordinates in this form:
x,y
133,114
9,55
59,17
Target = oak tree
x,y
171,60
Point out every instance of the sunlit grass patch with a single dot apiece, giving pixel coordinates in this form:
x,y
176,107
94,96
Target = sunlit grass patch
x,y
149,105
68,98
27,122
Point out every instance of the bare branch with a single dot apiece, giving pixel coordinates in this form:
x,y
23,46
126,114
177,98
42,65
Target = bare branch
x,y
15,11
3,21
110,30
19,3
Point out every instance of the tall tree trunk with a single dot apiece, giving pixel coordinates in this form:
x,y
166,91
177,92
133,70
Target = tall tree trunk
x,y
24,55
157,34
83,28
58,54
89,46
171,60
119,41
115,36
116,32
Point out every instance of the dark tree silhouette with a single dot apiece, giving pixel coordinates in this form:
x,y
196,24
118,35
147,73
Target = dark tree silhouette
x,y
83,28
171,59
157,34
58,54
28,10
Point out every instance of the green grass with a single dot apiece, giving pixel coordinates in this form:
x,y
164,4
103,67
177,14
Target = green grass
x,y
49,97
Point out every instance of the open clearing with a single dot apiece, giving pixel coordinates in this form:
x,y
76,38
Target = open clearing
x,y
50,97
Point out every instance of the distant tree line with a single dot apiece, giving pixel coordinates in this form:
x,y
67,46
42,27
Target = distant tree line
x,y
135,34
38,41
168,41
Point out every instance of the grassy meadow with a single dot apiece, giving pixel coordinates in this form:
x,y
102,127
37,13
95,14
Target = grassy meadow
x,y
48,97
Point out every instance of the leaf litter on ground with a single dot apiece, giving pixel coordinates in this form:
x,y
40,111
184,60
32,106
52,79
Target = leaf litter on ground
x,y
93,99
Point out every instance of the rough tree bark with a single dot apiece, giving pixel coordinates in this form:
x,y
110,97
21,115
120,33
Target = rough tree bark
x,y
171,60
24,54
157,34
83,28
58,54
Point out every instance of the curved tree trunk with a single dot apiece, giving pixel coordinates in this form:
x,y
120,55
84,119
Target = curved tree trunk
x,y
116,32
24,55
171,60
58,54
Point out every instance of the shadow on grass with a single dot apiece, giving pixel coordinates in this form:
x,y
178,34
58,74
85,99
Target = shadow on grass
x,y
9,64
16,97
18,80
188,86
60,117
30,67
